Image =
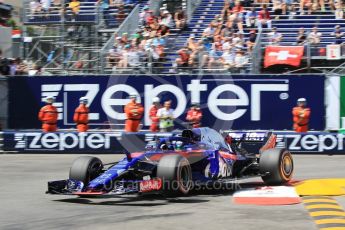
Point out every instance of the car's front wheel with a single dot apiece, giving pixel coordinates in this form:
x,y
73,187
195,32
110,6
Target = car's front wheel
x,y
176,174
276,166
85,169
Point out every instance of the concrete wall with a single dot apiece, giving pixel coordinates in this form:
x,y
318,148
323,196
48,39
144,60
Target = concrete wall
x,y
6,41
3,103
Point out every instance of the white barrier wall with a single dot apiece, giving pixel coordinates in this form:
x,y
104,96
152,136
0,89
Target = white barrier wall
x,y
332,102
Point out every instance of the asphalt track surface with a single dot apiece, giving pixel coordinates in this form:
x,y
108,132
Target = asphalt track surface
x,y
24,205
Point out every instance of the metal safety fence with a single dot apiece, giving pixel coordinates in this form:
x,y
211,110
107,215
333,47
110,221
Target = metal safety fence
x,y
129,25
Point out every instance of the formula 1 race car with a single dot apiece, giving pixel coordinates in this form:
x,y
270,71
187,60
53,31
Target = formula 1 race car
x,y
175,165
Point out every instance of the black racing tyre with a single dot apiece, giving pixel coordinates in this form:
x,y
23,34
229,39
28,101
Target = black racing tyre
x,y
176,174
85,169
276,166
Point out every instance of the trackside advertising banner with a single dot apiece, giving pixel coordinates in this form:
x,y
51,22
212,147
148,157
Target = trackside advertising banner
x,y
110,142
73,142
227,102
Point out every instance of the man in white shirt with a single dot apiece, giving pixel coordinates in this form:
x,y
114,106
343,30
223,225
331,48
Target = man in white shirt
x,y
166,117
228,59
35,7
133,58
240,59
274,37
314,37
46,5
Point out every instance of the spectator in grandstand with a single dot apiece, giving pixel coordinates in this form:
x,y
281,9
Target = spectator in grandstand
x,y
167,19
274,37
35,70
237,40
292,12
192,44
235,22
81,115
314,37
278,7
13,67
4,65
305,3
134,112
196,54
117,3
338,35
288,5
166,117
18,67
240,59
48,115
264,18
238,8
194,116
46,5
180,19
56,3
251,18
154,127
227,43
74,6
145,15
320,4
183,60
130,57
251,41
209,31
301,36
226,11
262,1
163,30
301,116
227,31
339,12
35,7
124,38
113,56
228,59
215,55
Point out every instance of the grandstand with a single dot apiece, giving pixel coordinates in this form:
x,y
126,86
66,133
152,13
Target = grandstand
x,y
64,40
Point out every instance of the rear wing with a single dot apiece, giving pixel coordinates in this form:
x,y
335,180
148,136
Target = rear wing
x,y
253,141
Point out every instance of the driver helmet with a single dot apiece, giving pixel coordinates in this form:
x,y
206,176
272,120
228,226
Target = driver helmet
x,y
178,145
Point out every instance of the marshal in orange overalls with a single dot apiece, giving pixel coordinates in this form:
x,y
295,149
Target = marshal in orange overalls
x,y
134,112
194,116
301,117
48,115
154,119
81,118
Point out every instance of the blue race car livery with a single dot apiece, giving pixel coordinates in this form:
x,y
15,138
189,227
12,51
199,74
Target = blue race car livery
x,y
177,164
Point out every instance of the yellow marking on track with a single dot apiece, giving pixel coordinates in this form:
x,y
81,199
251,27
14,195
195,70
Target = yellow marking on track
x,y
331,218
332,206
327,213
330,221
321,187
320,200
333,228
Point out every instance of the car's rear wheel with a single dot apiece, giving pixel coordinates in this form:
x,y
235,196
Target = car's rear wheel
x,y
85,169
276,166
176,174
